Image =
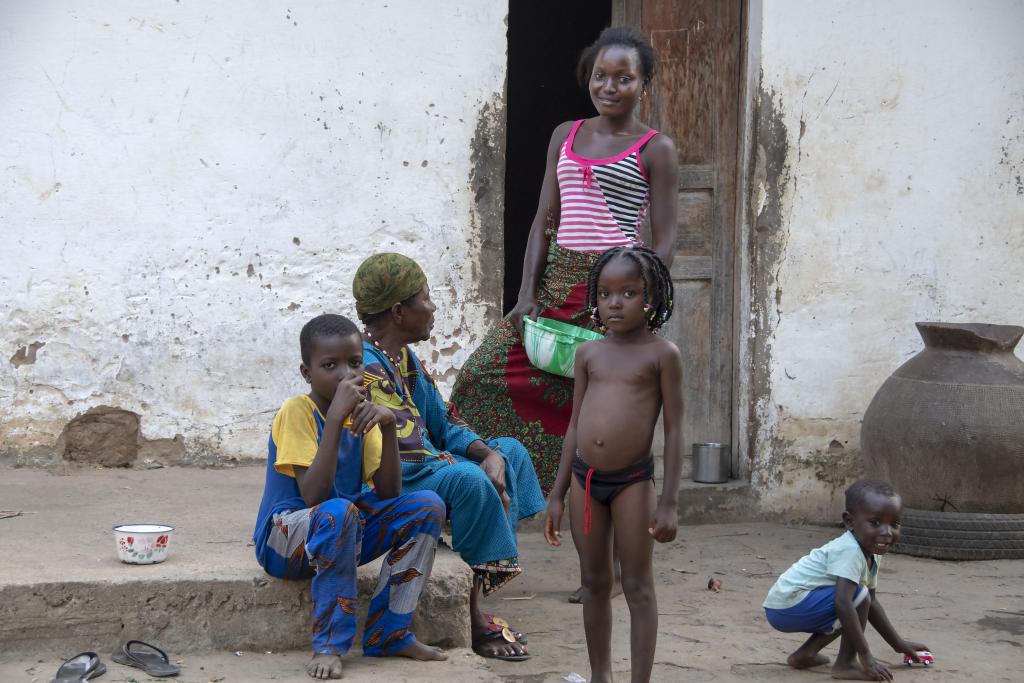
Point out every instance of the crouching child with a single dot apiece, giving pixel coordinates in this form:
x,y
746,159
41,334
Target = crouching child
x,y
317,520
830,593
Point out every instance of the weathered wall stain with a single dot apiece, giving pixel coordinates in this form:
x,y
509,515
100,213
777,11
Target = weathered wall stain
x,y
769,185
487,179
26,355
785,459
201,219
859,176
811,482
1012,152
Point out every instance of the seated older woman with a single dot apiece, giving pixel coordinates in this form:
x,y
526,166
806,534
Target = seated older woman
x,y
488,485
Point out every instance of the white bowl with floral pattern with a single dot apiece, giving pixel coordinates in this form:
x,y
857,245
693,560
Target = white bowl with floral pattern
x,y
142,543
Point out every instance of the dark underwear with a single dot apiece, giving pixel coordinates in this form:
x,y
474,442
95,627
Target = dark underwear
x,y
604,485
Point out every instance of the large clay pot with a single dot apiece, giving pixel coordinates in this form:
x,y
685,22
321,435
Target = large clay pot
x,y
947,428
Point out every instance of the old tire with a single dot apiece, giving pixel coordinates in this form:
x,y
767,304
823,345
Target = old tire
x,y
961,521
961,536
951,553
933,536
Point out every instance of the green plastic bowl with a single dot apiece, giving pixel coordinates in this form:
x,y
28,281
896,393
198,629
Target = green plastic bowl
x,y
551,344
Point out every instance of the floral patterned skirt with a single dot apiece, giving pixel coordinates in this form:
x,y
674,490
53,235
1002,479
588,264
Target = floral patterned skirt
x,y
498,391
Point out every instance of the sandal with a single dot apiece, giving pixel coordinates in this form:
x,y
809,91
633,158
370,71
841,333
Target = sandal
x,y
80,668
156,663
493,633
491,619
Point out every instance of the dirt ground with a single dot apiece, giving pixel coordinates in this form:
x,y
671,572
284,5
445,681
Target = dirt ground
x,y
970,614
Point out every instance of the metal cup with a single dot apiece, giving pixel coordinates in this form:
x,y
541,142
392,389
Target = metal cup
x,y
711,463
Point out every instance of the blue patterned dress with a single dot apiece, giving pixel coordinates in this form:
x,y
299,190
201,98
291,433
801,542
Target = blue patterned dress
x,y
432,445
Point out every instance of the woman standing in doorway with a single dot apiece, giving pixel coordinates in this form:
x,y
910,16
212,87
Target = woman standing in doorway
x,y
604,176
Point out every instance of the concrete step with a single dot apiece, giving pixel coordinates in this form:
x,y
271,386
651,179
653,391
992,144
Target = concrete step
x,y
61,583
732,501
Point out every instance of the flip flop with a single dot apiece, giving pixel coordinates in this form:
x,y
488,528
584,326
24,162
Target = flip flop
x,y
80,668
155,663
496,632
491,619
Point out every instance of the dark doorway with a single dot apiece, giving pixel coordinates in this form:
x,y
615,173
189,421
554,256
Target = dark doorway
x,y
544,43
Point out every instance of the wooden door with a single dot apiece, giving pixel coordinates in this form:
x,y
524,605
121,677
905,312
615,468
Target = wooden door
x,y
695,99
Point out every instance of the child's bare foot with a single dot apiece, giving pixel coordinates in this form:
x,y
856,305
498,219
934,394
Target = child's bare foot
x,y
850,672
576,597
422,652
798,660
324,666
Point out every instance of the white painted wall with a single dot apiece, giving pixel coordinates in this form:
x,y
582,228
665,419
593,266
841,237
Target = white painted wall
x,y
904,202
184,184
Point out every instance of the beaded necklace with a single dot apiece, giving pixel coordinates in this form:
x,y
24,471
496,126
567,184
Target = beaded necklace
x,y
377,345
395,364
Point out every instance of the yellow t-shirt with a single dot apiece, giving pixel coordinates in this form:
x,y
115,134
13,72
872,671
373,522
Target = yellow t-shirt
x,y
296,433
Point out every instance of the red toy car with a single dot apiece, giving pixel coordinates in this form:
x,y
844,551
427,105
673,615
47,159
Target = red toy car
x,y
926,658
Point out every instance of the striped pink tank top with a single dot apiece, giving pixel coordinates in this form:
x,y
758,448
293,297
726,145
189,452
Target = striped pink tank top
x,y
604,201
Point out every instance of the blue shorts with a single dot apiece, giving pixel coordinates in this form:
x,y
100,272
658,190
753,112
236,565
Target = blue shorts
x,y
816,613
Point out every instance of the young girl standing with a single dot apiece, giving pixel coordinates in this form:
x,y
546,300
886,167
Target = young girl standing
x,y
622,383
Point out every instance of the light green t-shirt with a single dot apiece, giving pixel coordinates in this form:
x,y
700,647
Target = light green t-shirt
x,y
840,557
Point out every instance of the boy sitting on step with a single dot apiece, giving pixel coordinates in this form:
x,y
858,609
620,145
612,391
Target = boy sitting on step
x,y
317,520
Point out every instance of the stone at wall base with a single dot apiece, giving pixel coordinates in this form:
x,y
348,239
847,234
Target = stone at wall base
x,y
102,436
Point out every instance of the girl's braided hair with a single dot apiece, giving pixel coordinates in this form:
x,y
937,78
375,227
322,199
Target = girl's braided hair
x,y
659,291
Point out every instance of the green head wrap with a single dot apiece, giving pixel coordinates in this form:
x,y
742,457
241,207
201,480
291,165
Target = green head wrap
x,y
384,280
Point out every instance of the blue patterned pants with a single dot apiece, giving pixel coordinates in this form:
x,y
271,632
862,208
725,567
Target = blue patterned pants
x,y
330,540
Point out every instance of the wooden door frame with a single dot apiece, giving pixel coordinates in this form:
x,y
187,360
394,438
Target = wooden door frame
x,y
630,13
743,395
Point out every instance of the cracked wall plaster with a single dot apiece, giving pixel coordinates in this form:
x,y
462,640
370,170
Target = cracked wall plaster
x,y
189,185
885,191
